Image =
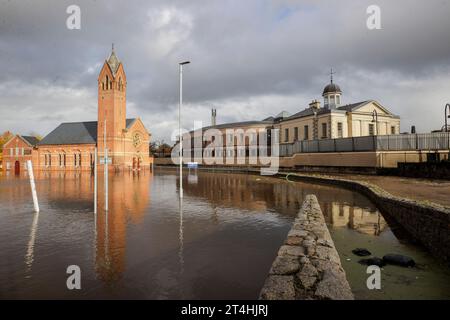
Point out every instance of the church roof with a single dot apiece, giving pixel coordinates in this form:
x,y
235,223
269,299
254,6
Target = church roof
x,y
113,62
75,133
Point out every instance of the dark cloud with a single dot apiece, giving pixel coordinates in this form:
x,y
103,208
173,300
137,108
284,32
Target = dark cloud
x,y
249,59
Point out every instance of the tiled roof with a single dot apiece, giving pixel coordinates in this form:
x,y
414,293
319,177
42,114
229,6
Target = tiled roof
x,y
31,140
75,133
307,112
239,124
353,106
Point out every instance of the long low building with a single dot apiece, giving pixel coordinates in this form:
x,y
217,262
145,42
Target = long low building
x,y
235,143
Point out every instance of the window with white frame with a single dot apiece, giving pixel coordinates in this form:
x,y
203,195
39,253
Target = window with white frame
x,y
230,138
324,130
340,132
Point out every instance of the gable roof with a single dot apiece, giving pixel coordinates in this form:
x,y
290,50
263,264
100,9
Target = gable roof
x,y
348,107
32,141
353,106
75,133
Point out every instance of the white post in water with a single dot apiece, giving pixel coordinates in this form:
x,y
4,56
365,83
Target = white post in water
x,y
105,158
33,186
95,180
181,64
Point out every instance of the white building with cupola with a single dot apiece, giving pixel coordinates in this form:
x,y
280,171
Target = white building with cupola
x,y
334,119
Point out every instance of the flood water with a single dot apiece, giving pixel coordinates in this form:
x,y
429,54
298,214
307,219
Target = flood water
x,y
219,243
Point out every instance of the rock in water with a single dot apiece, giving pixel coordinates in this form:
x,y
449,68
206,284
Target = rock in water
x,y
399,260
374,261
361,252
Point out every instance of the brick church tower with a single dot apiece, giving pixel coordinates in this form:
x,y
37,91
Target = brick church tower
x,y
112,88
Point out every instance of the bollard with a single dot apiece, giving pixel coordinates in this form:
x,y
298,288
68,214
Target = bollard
x,y
33,186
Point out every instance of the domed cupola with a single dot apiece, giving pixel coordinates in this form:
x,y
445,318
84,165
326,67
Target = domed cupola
x,y
331,94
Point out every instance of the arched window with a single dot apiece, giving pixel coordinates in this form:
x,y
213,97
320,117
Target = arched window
x,y
107,82
62,159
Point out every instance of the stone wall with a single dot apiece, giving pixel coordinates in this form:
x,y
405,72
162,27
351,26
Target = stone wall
x,y
307,265
427,223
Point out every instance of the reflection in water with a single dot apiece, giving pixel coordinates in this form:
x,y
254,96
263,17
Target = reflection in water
x,y
367,220
217,243
29,257
341,208
128,199
180,237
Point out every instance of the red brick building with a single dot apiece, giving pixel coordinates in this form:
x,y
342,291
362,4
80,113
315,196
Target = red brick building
x,y
71,146
17,151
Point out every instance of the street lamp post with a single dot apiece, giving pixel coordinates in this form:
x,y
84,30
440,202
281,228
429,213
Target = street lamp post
x,y
181,64
447,115
375,119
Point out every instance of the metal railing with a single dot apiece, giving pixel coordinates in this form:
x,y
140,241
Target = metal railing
x,y
398,142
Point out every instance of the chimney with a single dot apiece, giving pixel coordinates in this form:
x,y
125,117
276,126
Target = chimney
x,y
315,104
213,117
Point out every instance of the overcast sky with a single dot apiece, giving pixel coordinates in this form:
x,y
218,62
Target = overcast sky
x,y
250,59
